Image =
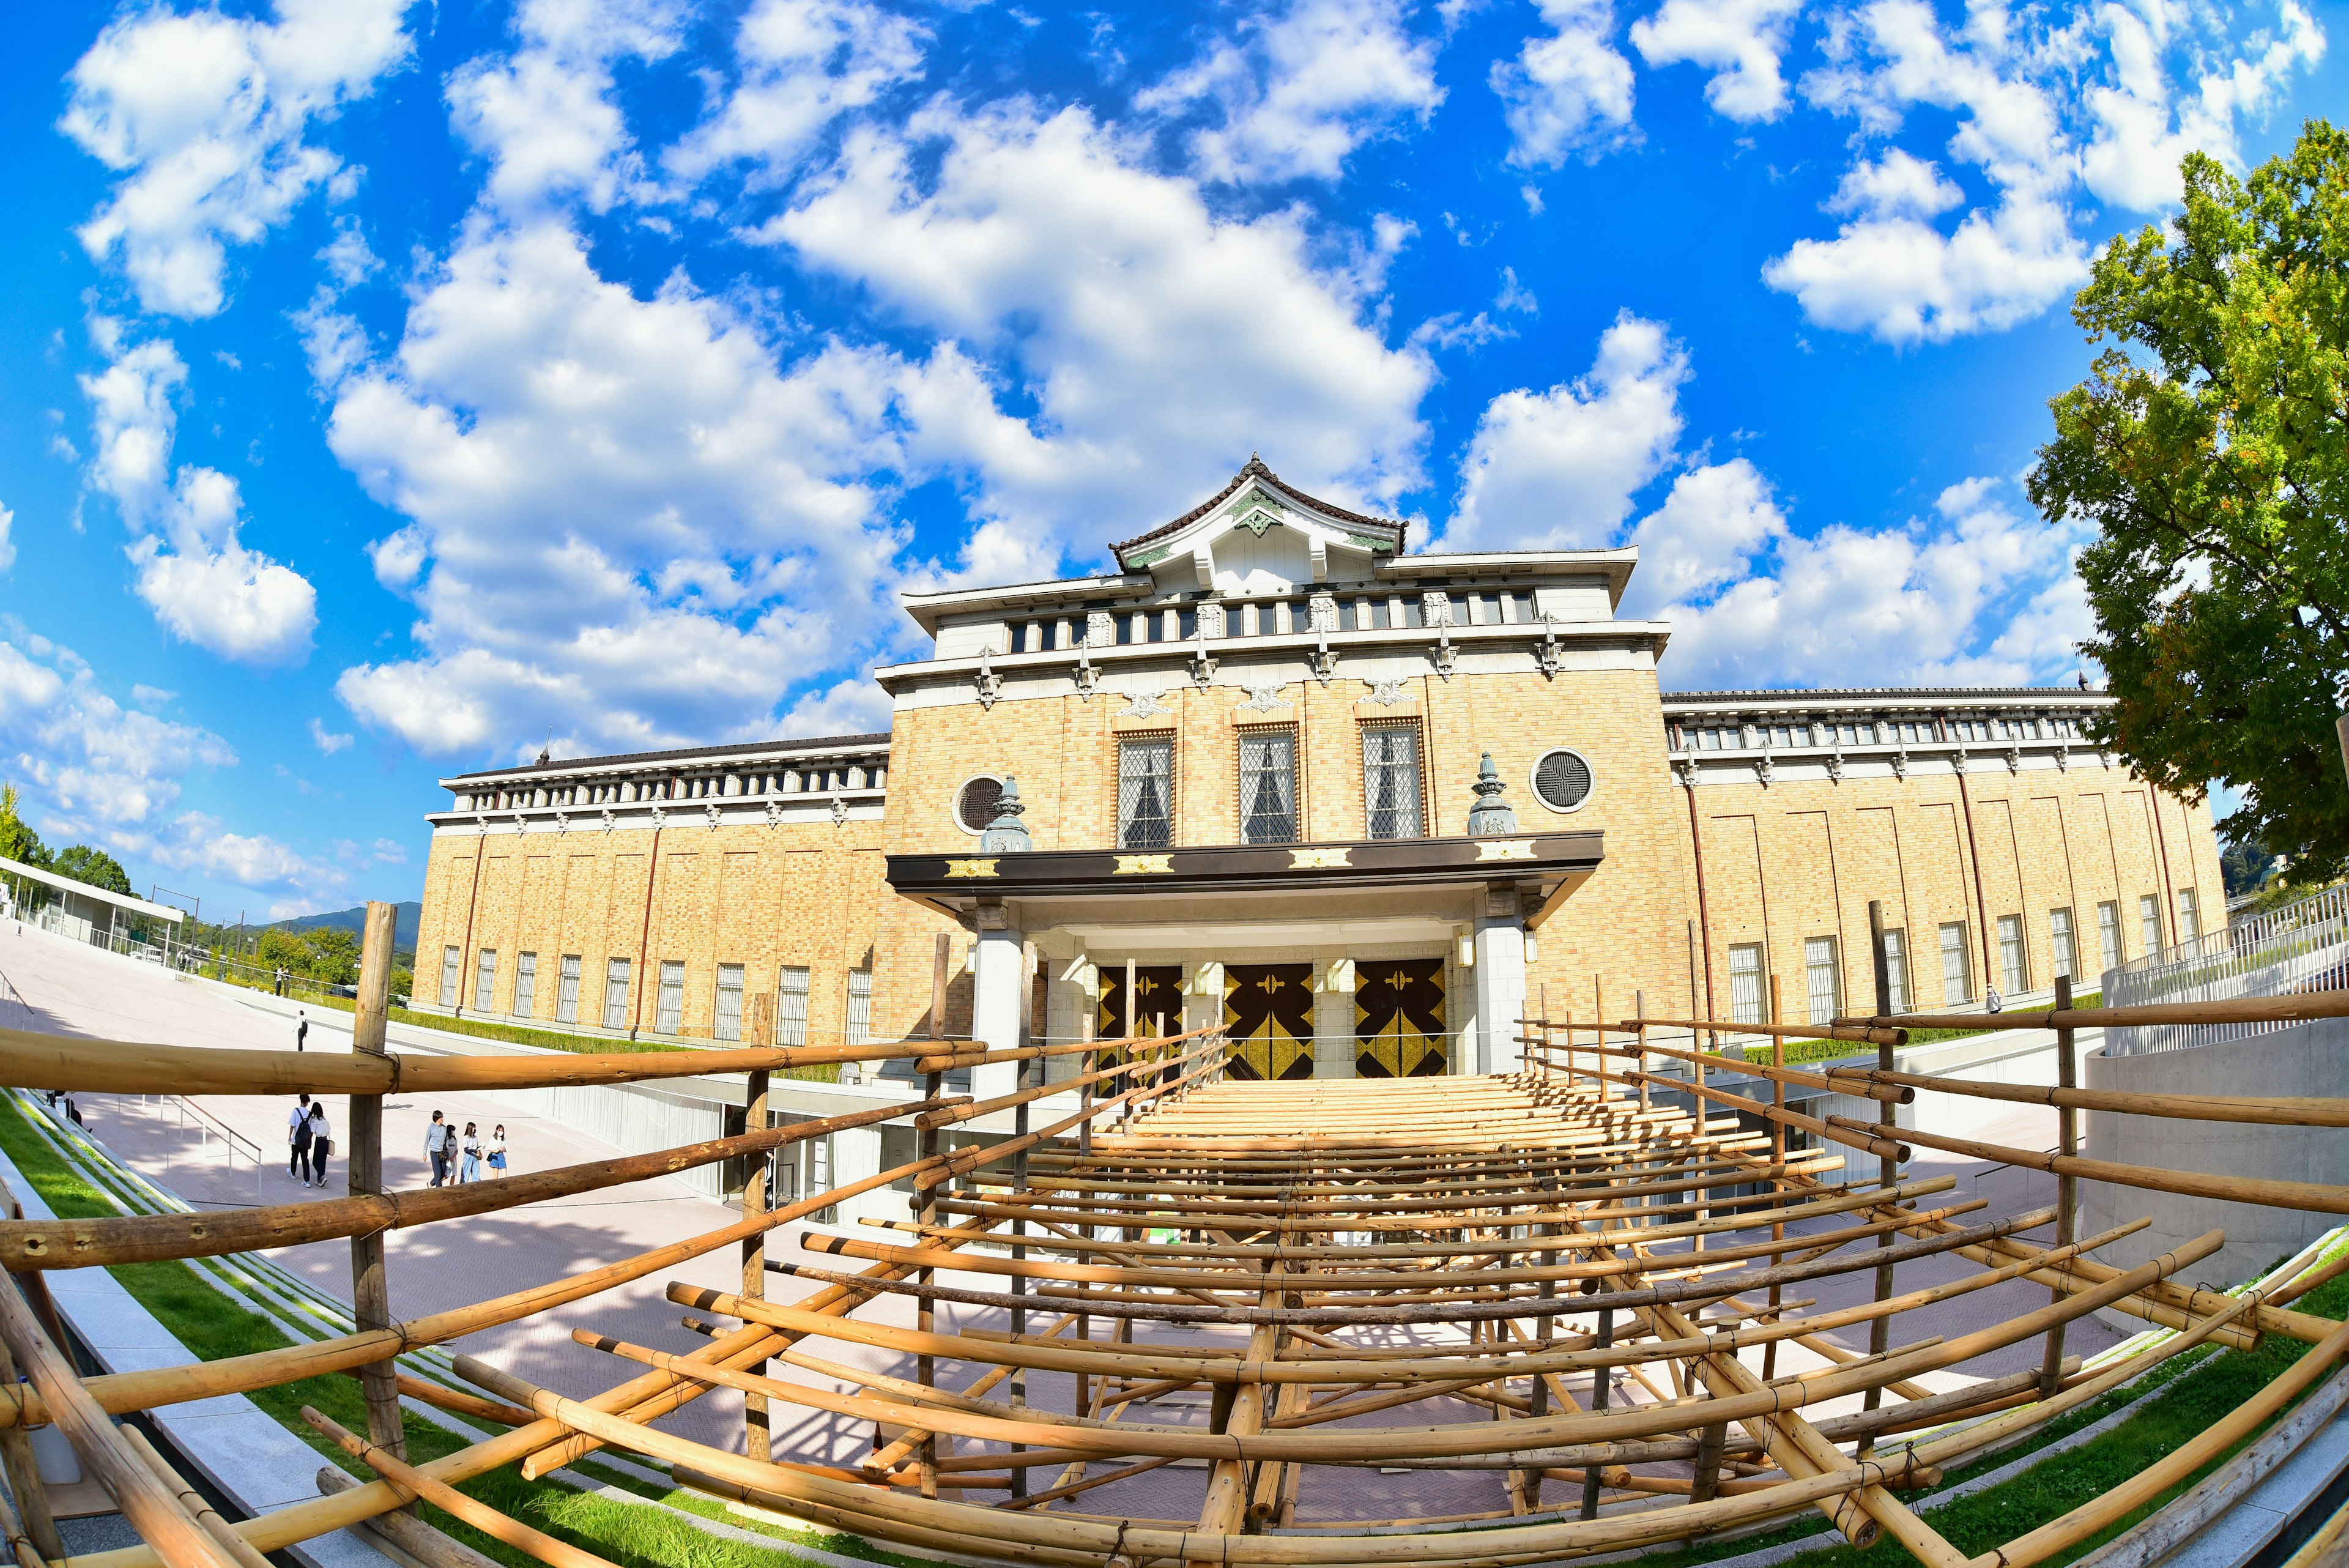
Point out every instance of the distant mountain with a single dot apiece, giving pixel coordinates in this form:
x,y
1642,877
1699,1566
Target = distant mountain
x,y
354,920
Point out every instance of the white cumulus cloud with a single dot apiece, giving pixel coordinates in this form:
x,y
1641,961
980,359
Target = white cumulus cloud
x,y
1158,343
1557,469
544,115
1740,41
204,585
801,65
1567,93
207,118
1295,92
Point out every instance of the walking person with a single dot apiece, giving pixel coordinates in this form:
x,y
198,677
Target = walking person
x,y
436,1148
297,1141
302,1028
498,1150
322,1142
472,1168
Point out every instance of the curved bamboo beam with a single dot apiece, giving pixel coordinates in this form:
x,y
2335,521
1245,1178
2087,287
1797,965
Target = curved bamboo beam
x,y
33,1244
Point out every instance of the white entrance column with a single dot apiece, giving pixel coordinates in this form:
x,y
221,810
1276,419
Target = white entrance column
x,y
1500,981
999,971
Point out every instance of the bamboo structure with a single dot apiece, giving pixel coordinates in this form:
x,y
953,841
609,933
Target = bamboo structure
x,y
1198,1320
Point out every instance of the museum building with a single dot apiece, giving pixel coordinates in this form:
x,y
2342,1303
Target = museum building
x,y
1366,808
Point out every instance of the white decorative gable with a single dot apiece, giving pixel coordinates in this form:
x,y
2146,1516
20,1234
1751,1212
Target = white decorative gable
x,y
1262,537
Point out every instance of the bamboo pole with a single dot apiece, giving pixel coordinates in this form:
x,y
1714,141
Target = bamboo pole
x,y
25,1484
2068,1187
27,1245
410,1534
363,1176
406,1478
192,1500
158,1515
755,1246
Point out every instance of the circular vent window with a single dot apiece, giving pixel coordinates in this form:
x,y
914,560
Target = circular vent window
x,y
1562,779
975,802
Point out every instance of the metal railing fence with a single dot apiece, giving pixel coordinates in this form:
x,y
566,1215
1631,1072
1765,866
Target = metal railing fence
x,y
2299,947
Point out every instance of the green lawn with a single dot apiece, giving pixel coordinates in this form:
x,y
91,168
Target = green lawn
x,y
211,1327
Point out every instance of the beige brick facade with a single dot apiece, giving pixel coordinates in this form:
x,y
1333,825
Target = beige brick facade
x,y
1791,812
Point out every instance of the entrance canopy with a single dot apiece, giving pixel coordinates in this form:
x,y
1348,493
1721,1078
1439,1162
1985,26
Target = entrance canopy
x,y
1365,879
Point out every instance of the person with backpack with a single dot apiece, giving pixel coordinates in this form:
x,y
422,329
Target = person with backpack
x,y
298,1136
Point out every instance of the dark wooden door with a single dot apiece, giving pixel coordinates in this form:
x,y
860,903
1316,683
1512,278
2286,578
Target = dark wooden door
x,y
1399,1018
1269,1013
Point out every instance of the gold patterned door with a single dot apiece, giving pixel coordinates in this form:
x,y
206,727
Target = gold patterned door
x,y
1157,1005
1399,1018
1269,1014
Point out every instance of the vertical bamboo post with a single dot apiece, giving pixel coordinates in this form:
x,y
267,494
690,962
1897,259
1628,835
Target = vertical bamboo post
x,y
754,1259
1020,1184
370,1286
1777,1158
24,1478
1601,1380
1639,1004
2068,1187
926,1368
1879,1333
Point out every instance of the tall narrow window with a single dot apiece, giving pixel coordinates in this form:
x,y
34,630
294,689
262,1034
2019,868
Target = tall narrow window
x,y
2108,933
791,1006
1391,780
860,1006
1896,969
1268,786
670,1004
2148,921
2189,919
728,1023
451,959
1745,983
485,982
2059,942
1145,799
566,995
1957,970
1822,978
616,993
2009,954
525,985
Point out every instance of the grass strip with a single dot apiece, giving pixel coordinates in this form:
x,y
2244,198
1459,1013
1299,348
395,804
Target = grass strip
x,y
212,1327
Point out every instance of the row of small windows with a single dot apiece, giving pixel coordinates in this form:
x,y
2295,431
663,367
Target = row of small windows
x,y
1709,737
1274,618
611,1010
1822,969
1392,786
816,779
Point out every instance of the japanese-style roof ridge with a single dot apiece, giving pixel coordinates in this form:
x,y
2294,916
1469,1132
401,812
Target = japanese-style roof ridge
x,y
1254,469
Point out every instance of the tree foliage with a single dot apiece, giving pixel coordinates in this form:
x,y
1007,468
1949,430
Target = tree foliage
x,y
95,867
2209,445
19,842
322,954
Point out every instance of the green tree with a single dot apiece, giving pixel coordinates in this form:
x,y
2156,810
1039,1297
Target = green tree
x,y
2209,445
19,842
95,867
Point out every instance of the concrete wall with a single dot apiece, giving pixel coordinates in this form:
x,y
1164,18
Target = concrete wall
x,y
2308,1059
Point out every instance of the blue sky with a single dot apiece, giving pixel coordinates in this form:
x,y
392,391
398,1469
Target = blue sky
x,y
391,388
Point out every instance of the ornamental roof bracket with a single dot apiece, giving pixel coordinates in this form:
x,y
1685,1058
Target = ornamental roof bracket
x,y
1549,657
1437,609
1203,661
990,684
1323,607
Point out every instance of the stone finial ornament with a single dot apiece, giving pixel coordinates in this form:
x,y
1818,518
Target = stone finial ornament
x,y
1007,835
1491,817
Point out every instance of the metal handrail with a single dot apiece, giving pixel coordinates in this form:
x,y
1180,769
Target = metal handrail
x,y
2302,946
